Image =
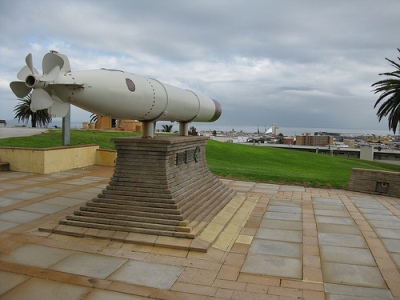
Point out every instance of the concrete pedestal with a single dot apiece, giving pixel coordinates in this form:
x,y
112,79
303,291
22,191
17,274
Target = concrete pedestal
x,y
160,186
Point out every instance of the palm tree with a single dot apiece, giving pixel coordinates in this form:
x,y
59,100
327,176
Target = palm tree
x,y
166,128
389,89
23,113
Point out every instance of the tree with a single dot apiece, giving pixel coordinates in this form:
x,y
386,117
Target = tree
x,y
166,128
193,131
390,91
23,113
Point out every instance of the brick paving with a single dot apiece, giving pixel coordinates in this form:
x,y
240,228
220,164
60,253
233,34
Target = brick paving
x,y
270,242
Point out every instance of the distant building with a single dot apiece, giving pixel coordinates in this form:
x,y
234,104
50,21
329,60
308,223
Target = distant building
x,y
314,140
109,123
274,130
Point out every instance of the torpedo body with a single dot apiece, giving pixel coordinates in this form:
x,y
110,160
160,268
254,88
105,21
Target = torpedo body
x,y
123,95
113,93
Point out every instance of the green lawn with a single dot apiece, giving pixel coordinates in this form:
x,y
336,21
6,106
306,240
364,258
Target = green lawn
x,y
53,138
267,164
245,162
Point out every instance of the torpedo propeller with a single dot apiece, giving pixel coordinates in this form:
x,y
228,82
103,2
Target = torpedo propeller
x,y
52,65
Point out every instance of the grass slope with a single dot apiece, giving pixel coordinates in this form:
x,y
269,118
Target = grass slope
x,y
267,164
53,138
245,162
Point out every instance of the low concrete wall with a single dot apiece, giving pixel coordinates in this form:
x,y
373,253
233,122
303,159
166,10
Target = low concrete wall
x,y
374,182
106,157
48,160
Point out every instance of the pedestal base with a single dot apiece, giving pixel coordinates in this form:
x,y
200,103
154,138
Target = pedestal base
x,y
160,186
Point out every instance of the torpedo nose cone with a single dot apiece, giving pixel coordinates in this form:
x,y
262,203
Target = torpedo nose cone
x,y
218,111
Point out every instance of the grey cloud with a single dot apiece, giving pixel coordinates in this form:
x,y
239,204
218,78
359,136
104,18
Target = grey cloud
x,y
296,63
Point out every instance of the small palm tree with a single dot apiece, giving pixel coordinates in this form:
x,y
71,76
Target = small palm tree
x,y
23,113
166,128
390,91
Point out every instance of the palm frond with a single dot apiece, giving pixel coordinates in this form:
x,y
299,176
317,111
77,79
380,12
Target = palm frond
x,y
389,90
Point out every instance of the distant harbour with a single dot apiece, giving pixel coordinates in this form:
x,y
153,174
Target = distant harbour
x,y
287,131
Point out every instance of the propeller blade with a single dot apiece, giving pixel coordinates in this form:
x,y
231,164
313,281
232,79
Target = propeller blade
x,y
29,62
51,60
52,75
40,100
25,72
59,108
20,89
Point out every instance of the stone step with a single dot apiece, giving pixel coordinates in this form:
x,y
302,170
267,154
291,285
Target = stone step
x,y
126,191
211,207
194,198
201,202
122,209
131,205
223,220
128,224
125,216
135,201
87,224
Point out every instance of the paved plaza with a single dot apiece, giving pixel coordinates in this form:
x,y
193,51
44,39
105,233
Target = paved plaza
x,y
270,242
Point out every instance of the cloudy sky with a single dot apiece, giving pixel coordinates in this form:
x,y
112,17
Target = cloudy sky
x,y
306,63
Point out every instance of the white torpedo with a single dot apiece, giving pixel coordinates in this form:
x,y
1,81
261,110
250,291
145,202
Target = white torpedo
x,y
112,93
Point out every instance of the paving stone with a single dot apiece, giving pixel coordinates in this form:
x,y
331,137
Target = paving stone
x,y
371,204
352,275
347,255
81,195
391,245
284,203
284,249
44,208
20,216
78,181
64,201
329,201
92,265
336,228
286,209
356,292
41,190
267,185
281,224
344,240
282,216
35,255
7,202
279,235
5,225
387,218
383,211
148,274
334,220
10,280
388,233
264,191
384,224
23,195
288,188
109,295
39,289
362,198
9,186
322,206
396,258
273,266
331,213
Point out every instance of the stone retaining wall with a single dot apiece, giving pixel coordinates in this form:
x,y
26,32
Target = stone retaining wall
x,y
374,182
